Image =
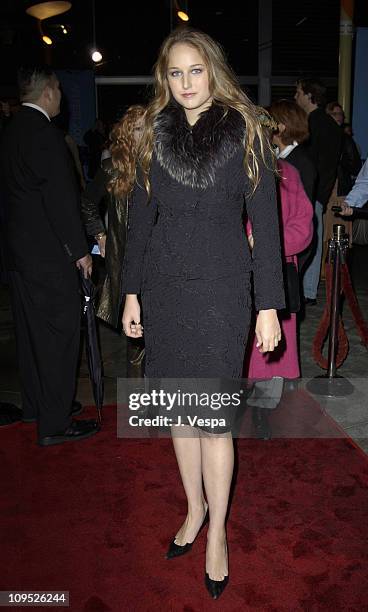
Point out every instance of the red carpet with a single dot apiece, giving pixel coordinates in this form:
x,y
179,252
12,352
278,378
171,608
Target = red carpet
x,y
95,518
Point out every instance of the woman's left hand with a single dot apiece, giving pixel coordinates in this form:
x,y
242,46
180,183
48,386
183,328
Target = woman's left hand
x,y
102,245
268,330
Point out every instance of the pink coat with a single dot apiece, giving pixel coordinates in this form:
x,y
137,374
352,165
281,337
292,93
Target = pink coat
x,y
296,226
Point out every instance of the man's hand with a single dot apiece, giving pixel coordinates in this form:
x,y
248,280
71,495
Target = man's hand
x,y
346,211
85,263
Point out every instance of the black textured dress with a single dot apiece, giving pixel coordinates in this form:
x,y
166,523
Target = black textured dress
x,y
187,253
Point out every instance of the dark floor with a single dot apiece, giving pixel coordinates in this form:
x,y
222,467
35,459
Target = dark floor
x,y
351,413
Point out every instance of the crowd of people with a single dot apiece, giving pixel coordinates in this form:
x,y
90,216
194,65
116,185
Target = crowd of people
x,y
214,230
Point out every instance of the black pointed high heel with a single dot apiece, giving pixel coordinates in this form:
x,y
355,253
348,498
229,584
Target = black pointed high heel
x,y
215,587
175,550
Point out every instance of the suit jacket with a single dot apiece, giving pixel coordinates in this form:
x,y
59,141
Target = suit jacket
x,y
300,159
325,145
42,220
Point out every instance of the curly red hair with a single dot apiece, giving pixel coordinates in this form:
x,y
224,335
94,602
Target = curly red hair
x,y
124,152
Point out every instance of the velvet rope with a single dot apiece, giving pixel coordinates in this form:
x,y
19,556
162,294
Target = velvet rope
x,y
324,325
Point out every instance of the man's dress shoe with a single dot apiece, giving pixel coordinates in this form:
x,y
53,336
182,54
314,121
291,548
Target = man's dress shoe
x,y
77,430
76,409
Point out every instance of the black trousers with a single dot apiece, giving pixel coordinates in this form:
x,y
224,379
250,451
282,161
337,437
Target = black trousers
x,y
47,311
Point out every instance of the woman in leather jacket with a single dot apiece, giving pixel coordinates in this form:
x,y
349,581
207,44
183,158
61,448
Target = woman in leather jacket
x,y
113,181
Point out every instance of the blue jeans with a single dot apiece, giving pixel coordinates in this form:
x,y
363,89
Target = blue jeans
x,y
313,271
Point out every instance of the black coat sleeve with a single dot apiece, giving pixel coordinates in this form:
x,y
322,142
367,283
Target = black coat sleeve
x,y
60,194
325,149
301,160
308,175
141,217
90,202
350,158
267,264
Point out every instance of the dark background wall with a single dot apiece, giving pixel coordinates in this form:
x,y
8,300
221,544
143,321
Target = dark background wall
x,y
305,39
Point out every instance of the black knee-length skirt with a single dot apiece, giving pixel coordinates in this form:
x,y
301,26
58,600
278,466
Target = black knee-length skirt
x,y
197,330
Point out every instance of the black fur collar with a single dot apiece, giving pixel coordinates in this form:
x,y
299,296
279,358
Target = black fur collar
x,y
192,155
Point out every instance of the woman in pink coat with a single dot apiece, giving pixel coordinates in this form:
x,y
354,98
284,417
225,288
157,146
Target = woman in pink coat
x,y
296,213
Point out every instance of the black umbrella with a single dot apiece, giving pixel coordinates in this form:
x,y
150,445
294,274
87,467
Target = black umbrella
x,y
92,343
9,414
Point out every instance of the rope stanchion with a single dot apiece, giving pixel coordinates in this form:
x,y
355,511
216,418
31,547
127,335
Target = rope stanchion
x,y
330,384
324,328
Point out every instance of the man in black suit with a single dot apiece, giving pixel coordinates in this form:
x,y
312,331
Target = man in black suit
x,y
325,144
44,246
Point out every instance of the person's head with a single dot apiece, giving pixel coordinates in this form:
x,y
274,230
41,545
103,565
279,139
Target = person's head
x,y
124,138
190,62
292,122
39,85
191,70
334,109
310,93
100,126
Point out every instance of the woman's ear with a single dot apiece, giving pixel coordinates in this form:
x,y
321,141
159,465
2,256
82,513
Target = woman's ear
x,y
281,127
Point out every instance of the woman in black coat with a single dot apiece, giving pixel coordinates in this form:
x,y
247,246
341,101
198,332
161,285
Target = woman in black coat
x,y
113,182
202,153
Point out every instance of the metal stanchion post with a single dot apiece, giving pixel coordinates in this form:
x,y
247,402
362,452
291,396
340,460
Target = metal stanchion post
x,y
336,252
331,384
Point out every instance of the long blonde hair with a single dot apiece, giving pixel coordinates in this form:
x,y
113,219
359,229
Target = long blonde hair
x,y
224,89
123,150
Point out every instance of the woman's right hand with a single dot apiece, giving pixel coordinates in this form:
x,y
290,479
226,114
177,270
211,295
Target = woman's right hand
x,y
132,317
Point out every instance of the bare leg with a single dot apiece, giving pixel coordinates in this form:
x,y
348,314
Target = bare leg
x,y
217,467
188,455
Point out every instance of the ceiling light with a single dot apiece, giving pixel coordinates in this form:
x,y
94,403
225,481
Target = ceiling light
x,y
183,16
44,10
96,56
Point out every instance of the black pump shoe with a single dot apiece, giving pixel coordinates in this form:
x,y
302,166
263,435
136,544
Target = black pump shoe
x,y
175,550
215,587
